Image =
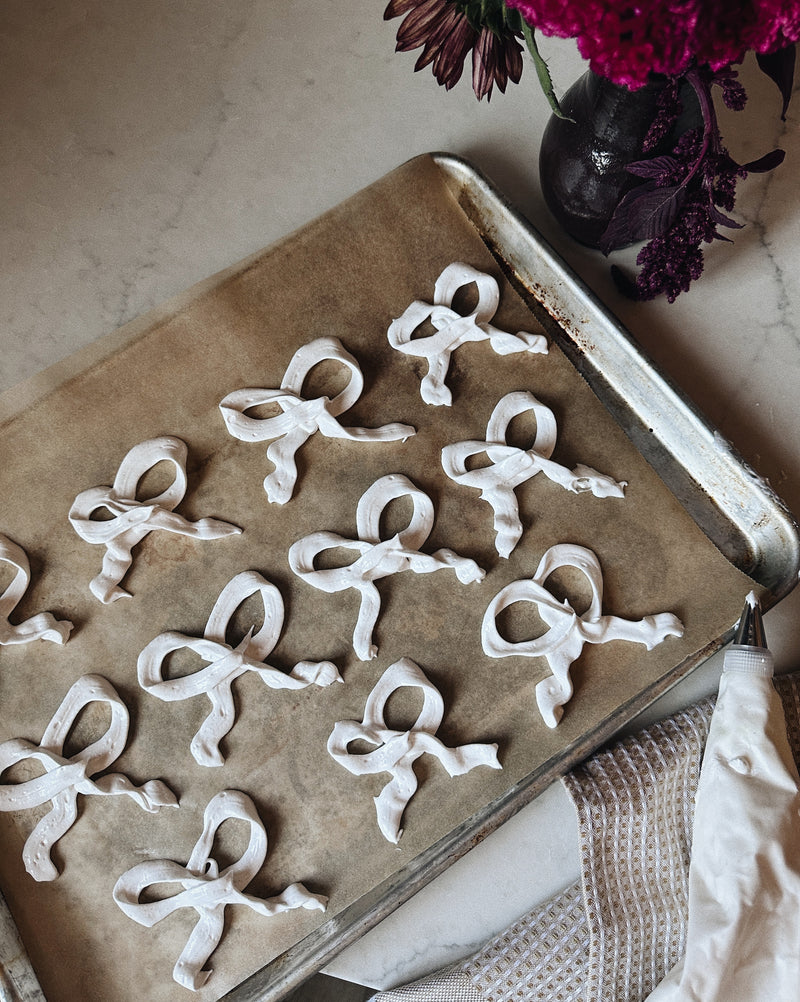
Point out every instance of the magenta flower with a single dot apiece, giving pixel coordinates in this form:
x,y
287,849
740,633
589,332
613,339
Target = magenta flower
x,y
626,41
447,38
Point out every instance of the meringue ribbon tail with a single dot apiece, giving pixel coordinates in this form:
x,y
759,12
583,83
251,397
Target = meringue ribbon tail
x,y
43,625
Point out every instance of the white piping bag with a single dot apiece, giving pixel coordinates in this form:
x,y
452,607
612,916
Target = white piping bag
x,y
743,933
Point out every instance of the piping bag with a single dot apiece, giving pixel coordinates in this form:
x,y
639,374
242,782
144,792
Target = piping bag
x,y
743,932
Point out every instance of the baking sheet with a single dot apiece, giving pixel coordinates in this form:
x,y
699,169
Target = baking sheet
x,y
347,274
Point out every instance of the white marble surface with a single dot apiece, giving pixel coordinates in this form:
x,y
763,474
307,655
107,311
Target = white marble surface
x,y
147,145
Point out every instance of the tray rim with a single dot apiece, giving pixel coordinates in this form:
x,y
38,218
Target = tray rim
x,y
714,463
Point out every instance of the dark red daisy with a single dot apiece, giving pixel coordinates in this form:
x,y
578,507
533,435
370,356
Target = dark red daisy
x,y
447,38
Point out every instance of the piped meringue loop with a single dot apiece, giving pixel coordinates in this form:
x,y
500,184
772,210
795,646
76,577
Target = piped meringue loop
x,y
299,418
376,498
513,405
452,329
131,520
294,413
405,672
396,751
65,777
567,632
142,458
311,354
224,663
242,586
42,626
560,620
206,888
377,557
511,466
458,276
582,559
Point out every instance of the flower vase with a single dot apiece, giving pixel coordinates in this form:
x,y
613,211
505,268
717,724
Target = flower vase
x,y
582,163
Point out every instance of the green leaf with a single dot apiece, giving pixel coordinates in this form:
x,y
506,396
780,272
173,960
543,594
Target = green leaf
x,y
542,72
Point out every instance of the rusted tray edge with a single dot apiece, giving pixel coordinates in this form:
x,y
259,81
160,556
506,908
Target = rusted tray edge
x,y
736,508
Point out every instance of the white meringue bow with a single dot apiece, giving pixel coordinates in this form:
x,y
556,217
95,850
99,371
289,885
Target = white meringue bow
x,y
452,329
567,632
206,888
378,557
132,519
509,466
42,626
396,751
298,419
224,664
65,777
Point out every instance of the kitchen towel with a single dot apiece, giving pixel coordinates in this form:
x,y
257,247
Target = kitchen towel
x,y
613,935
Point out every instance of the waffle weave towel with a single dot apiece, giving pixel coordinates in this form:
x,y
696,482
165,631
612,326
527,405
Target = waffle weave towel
x,y
614,935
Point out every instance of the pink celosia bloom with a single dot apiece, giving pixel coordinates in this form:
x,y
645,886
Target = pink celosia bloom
x,y
626,41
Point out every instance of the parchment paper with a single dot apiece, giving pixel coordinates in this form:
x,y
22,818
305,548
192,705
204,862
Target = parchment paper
x,y
347,274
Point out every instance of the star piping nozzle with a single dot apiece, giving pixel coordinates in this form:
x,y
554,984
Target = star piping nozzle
x,y
749,653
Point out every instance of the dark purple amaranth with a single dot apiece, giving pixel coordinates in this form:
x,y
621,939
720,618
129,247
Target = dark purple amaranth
x,y
582,163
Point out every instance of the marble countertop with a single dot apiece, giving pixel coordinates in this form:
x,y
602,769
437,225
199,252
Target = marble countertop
x,y
149,145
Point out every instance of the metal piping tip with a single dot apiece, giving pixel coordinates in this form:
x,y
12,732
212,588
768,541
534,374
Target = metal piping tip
x,y
750,631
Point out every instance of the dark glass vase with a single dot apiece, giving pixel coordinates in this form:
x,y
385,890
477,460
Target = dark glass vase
x,y
582,163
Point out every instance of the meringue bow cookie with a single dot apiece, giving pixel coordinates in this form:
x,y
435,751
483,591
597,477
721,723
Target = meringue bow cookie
x,y
207,889
452,329
131,519
65,777
566,632
299,418
396,751
42,626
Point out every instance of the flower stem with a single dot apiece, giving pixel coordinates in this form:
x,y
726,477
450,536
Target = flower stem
x,y
710,125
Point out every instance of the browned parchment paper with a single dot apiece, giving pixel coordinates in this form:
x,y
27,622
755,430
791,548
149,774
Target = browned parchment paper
x,y
348,274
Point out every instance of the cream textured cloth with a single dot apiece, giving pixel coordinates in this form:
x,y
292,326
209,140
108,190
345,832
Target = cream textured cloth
x,y
613,936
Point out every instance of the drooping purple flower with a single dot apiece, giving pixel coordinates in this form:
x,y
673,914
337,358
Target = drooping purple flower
x,y
443,30
496,59
679,205
668,108
733,93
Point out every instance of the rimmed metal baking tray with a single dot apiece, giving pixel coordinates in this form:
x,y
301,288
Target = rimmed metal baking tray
x,y
736,509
